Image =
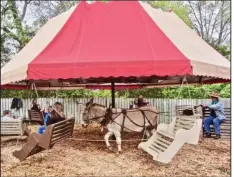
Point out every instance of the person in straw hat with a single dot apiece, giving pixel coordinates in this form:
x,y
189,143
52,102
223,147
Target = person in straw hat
x,y
217,115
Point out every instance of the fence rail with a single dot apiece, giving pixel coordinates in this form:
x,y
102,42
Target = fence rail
x,y
72,109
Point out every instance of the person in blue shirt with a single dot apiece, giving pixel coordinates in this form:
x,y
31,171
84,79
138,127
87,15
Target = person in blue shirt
x,y
47,116
217,115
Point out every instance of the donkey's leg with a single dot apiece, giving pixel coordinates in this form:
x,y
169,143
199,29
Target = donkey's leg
x,y
153,131
118,140
106,137
147,132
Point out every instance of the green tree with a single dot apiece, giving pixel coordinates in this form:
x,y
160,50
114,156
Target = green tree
x,y
226,91
223,50
15,34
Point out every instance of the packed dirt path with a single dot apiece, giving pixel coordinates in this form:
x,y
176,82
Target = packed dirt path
x,y
72,158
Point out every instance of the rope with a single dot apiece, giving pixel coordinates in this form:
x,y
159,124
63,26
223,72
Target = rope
x,y
123,126
143,134
118,113
90,140
135,122
169,8
35,88
182,84
184,81
110,118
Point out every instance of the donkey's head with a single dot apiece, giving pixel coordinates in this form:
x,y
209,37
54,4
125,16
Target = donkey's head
x,y
87,113
92,112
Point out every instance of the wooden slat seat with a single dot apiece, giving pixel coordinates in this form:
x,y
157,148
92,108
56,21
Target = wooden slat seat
x,y
53,134
36,116
169,138
165,134
180,109
225,127
12,127
181,122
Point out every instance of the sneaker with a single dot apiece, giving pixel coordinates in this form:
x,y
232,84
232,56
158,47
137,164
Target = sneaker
x,y
217,136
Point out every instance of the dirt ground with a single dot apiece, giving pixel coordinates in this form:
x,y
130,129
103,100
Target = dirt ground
x,y
79,158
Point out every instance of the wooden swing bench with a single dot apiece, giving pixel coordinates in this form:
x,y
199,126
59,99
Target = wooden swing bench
x,y
35,116
12,127
39,142
225,127
181,109
169,138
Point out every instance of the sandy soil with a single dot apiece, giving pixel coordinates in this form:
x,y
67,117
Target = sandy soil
x,y
71,158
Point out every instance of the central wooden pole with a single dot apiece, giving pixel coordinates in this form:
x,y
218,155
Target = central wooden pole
x,y
113,94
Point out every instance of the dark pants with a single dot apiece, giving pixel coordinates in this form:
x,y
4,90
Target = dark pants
x,y
211,120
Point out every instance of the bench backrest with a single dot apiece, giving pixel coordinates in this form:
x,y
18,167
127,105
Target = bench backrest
x,y
62,130
227,111
188,108
12,127
181,108
57,132
35,116
184,122
225,127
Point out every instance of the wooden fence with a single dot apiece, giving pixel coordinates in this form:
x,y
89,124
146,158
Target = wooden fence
x,y
72,109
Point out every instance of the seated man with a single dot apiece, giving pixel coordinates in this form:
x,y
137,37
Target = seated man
x,y
140,101
217,115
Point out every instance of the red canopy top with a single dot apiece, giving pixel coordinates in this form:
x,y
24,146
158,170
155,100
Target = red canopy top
x,y
99,41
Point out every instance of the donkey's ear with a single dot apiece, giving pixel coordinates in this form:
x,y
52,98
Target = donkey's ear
x,y
91,101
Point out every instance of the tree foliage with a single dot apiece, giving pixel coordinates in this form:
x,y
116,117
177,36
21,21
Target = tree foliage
x,y
211,20
15,34
170,92
223,50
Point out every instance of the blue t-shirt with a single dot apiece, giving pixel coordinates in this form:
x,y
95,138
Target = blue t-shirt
x,y
46,117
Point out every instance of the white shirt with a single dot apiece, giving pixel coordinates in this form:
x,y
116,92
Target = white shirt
x,y
6,117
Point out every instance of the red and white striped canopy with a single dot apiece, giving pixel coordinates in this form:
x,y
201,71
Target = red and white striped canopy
x,y
119,39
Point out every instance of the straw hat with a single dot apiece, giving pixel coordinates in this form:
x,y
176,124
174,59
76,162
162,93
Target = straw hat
x,y
215,95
